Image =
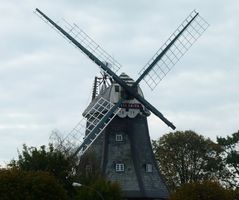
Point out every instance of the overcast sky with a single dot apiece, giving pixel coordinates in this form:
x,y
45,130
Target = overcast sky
x,y
46,83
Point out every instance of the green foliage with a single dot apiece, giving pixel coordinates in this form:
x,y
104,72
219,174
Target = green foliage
x,y
66,170
230,145
46,159
185,157
203,191
21,185
101,187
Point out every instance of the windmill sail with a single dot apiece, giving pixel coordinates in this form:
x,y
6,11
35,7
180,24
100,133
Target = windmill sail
x,y
173,49
66,29
89,128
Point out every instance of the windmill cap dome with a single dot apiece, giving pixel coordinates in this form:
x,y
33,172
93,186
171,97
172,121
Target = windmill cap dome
x,y
129,81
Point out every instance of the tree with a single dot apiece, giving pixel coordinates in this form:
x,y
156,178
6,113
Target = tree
x,y
49,160
230,155
185,157
206,190
86,167
21,185
66,169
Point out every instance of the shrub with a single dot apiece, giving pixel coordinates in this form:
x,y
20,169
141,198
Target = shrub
x,y
203,191
21,185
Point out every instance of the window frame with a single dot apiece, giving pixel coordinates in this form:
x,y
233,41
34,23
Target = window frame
x,y
148,168
119,167
117,136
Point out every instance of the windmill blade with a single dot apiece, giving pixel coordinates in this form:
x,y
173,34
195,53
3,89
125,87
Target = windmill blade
x,y
173,49
77,37
90,127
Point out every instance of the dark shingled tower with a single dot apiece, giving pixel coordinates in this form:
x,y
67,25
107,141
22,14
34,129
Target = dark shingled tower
x,y
124,149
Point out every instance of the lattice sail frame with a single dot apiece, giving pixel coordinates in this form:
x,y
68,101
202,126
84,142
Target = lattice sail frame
x,y
85,127
176,51
85,41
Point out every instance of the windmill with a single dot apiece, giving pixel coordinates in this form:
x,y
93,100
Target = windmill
x,y
115,122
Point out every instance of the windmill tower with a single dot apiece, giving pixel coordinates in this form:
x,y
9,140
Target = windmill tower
x,y
115,125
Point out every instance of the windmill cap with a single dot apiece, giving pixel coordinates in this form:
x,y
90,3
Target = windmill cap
x,y
129,81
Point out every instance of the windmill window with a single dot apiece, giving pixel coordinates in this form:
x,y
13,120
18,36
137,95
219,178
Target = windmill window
x,y
119,167
118,137
149,168
116,88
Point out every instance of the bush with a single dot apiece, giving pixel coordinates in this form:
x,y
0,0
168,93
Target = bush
x,y
21,185
203,191
47,159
